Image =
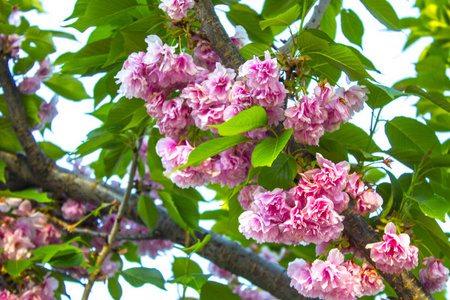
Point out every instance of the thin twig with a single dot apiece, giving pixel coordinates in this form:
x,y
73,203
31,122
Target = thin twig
x,y
115,229
314,22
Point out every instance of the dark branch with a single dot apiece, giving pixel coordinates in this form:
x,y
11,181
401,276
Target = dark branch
x,y
38,161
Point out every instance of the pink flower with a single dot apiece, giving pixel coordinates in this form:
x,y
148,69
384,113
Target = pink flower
x,y
434,276
219,272
205,55
153,248
272,205
368,202
354,97
247,293
155,104
133,76
371,282
29,85
219,83
260,74
233,165
176,118
73,210
395,253
17,245
6,295
176,9
271,255
47,112
15,16
10,45
246,195
240,37
45,70
355,186
252,225
197,97
306,119
300,273
209,116
271,97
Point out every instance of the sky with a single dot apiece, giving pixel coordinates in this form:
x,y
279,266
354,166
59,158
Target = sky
x,y
71,125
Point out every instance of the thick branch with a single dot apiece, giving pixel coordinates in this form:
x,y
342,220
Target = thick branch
x,y
357,229
314,22
218,37
39,162
221,251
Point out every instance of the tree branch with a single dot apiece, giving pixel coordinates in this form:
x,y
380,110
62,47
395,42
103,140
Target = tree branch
x,y
314,22
39,162
357,229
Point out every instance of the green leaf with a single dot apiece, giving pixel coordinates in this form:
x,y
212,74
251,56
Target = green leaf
x,y
9,141
344,59
241,14
380,95
137,277
373,175
2,171
434,206
431,74
180,267
210,148
27,194
349,135
195,281
383,12
249,119
352,27
312,40
187,210
254,49
408,133
280,175
114,288
15,267
147,211
53,151
395,197
214,290
197,247
131,253
124,110
172,209
285,18
67,86
268,149
435,98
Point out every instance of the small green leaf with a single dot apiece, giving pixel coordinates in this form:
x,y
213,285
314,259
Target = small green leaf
x,y
352,27
285,18
254,49
172,209
249,119
210,148
27,194
280,175
114,288
179,267
122,113
214,290
383,11
349,135
380,95
197,247
187,209
434,207
2,171
435,98
268,149
67,86
137,277
15,267
195,281
131,253
53,151
147,211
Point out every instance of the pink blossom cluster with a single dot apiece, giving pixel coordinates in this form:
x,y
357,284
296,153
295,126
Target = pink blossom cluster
x,y
252,293
434,276
394,254
10,45
367,201
46,113
323,111
176,9
28,231
30,85
33,291
334,278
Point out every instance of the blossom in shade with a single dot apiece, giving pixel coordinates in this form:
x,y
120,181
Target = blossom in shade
x,y
205,55
240,38
219,272
15,16
246,195
45,70
29,85
73,210
176,9
16,245
394,254
368,202
355,186
248,293
47,112
434,276
6,295
153,248
371,282
10,45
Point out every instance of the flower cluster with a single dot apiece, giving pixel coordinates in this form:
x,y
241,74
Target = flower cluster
x,y
176,9
334,278
30,85
395,253
10,45
435,276
323,111
32,291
